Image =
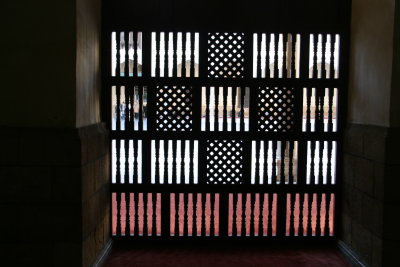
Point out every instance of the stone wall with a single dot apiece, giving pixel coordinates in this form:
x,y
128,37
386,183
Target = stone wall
x,y
54,195
370,193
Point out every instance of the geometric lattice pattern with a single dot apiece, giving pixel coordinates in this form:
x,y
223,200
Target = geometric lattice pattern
x,y
174,108
226,55
275,109
224,162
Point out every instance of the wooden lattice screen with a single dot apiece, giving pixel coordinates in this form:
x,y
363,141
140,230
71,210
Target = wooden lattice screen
x,y
224,134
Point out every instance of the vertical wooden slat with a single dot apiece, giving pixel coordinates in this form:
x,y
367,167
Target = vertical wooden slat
x,y
207,108
118,119
312,162
157,161
323,60
315,52
292,206
293,56
135,161
276,55
261,217
283,154
270,208
233,120
191,161
267,61
118,56
212,215
284,56
140,122
192,39
174,56
291,151
327,211
321,163
183,54
135,54
118,229
310,197
330,109
225,111
234,214
252,209
257,174
301,216
136,216
183,150
118,161
166,161
203,214
176,214
145,214
308,109
126,109
194,220
157,63
266,163
126,156
329,163
223,214
318,217
166,61
242,98
274,148
258,66
126,48
242,207
154,210
185,214
174,156
216,108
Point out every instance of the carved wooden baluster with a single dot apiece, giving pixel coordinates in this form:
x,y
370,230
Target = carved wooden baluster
x,y
135,54
242,207
191,161
203,214
135,161
145,214
185,214
317,116
258,71
128,215
312,162
183,150
234,216
118,56
315,58
252,219
174,156
283,155
212,215
274,147
293,58
192,36
233,120
154,209
332,58
184,54
330,109
157,63
157,162
225,111
166,59
174,55
321,110
166,161
329,164
327,217
131,109
136,217
242,97
321,164
126,175
261,217
292,205
176,215
118,161
126,109
216,102
276,56
291,151
267,61
118,115
118,229
310,197
323,60
208,109
270,205
284,56
194,220
126,48
308,109
257,174
301,215
318,223
266,163
140,92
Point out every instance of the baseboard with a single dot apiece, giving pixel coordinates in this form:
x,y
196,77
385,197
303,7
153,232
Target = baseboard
x,y
350,255
103,255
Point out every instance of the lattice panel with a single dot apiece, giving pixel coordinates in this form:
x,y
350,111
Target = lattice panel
x,y
225,55
224,162
174,108
275,109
